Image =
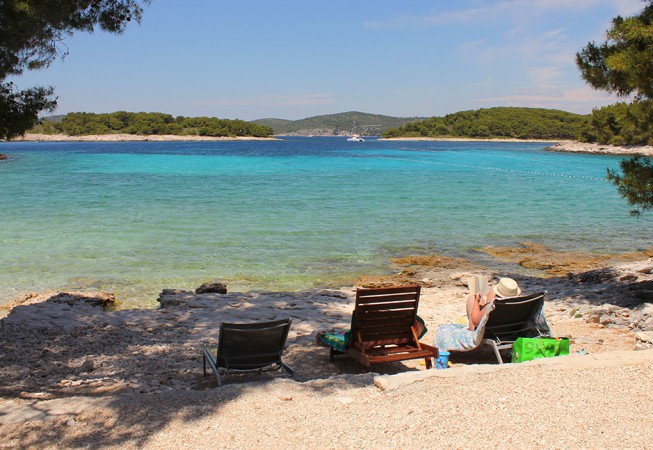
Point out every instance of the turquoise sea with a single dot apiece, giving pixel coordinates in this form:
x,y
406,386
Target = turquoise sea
x,y
134,218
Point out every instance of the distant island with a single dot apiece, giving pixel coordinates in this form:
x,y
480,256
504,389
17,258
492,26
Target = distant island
x,y
148,124
491,123
341,124
496,123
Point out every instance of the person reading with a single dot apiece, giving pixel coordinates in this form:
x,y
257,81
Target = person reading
x,y
480,296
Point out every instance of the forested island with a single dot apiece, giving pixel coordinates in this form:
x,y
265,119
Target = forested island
x,y
619,124
500,122
141,123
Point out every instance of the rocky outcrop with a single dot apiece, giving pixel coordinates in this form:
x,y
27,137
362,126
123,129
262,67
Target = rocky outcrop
x,y
212,287
601,149
169,298
3,156
103,299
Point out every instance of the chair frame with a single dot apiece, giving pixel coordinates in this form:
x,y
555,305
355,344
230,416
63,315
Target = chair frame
x,y
247,361
501,331
383,327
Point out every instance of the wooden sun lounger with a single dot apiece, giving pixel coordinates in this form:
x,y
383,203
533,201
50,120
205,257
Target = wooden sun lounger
x,y
383,327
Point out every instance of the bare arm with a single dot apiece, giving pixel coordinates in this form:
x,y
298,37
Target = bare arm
x,y
476,305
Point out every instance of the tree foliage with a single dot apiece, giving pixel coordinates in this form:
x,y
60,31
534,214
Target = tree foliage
x,y
514,123
19,109
620,124
623,65
31,36
79,124
635,184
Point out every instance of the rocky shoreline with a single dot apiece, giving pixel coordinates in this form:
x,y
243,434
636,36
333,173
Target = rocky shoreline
x,y
560,146
601,149
77,373
58,344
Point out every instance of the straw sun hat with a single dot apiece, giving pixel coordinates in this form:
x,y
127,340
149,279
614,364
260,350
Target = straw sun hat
x,y
507,287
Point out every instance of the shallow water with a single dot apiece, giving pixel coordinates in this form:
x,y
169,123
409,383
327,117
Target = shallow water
x,y
134,218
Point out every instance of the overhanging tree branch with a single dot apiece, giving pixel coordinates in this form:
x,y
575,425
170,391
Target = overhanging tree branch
x,y
31,35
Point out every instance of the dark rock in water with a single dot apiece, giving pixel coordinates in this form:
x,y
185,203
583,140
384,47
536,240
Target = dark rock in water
x,y
3,156
173,297
174,292
212,287
103,299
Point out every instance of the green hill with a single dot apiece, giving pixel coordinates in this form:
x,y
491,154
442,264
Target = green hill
x,y
352,122
501,122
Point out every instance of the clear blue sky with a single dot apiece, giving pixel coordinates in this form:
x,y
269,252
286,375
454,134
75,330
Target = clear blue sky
x,y
291,59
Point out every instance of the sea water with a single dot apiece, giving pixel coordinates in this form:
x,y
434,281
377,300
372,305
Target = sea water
x,y
136,217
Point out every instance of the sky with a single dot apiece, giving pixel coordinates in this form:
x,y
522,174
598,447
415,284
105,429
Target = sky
x,y
292,59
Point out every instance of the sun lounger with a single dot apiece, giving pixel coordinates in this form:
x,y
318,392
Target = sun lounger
x,y
248,347
384,328
504,321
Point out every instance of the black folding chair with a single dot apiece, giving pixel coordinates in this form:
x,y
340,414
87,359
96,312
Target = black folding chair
x,y
248,347
512,318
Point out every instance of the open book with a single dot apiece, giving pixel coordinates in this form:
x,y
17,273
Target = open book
x,y
478,284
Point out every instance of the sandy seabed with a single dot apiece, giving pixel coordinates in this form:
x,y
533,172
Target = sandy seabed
x,y
74,375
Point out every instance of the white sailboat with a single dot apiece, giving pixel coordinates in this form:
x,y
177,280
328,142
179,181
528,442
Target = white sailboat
x,y
355,137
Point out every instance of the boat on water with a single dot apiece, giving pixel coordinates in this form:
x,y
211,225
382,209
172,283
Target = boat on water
x,y
355,138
